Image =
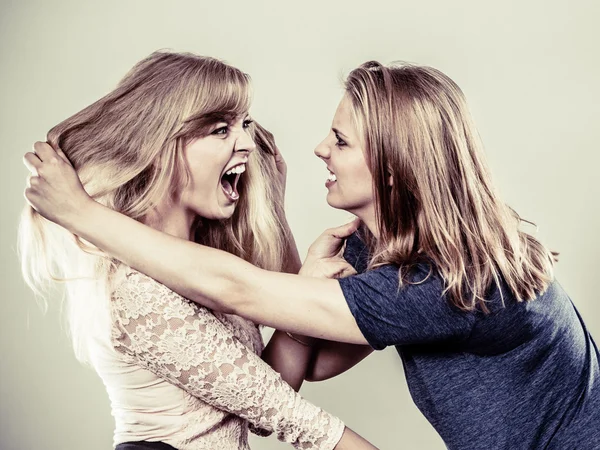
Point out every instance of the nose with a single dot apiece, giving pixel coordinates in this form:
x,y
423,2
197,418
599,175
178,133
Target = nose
x,y
322,150
244,143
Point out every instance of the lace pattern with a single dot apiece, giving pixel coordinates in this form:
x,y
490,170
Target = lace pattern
x,y
214,357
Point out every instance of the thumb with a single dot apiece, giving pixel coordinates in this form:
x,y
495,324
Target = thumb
x,y
347,271
335,268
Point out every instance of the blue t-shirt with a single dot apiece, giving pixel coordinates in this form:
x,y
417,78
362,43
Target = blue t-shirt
x,y
525,376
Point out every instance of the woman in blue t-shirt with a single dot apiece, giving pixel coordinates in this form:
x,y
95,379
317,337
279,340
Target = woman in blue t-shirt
x,y
495,353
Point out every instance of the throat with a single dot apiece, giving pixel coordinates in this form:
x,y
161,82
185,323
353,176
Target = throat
x,y
173,221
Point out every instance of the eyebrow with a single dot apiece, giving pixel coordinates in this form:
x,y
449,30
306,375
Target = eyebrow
x,y
336,131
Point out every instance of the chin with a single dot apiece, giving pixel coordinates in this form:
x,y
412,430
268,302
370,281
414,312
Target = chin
x,y
224,215
227,211
220,213
335,202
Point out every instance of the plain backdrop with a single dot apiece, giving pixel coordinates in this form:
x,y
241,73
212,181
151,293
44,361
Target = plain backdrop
x,y
530,70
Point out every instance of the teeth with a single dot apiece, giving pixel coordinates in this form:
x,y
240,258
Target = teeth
x,y
331,177
237,169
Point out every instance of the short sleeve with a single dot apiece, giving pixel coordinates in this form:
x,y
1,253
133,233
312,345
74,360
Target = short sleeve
x,y
411,314
356,252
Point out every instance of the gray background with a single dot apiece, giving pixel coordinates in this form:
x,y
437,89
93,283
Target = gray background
x,y
530,70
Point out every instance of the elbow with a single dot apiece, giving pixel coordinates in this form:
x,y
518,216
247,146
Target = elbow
x,y
319,372
314,377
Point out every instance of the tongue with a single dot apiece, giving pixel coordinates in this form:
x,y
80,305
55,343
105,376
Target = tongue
x,y
229,189
227,186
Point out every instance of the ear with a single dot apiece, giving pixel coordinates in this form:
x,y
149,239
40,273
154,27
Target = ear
x,y
390,178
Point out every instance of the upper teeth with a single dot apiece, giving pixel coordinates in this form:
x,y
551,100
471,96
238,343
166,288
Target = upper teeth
x,y
237,169
331,177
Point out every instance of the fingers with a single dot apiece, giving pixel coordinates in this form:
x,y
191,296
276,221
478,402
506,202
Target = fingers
x,y
32,162
347,271
33,189
33,182
60,153
44,151
338,268
276,152
37,161
28,194
334,269
264,139
343,231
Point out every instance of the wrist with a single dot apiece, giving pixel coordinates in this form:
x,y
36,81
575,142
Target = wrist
x,y
75,220
308,266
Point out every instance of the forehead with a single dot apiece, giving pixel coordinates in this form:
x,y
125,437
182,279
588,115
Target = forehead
x,y
344,119
343,113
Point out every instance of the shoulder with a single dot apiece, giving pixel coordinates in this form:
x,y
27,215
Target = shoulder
x,y
415,311
419,278
136,294
385,289
356,252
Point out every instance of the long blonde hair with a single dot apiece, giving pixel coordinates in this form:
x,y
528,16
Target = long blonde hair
x,y
127,150
441,208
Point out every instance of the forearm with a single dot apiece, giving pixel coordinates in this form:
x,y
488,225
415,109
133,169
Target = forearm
x,y
352,441
289,357
221,281
179,264
213,278
292,263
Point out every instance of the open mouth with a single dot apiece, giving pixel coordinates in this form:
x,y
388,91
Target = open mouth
x,y
230,179
332,178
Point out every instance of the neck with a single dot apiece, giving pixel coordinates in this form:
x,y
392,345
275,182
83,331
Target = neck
x,y
368,218
172,220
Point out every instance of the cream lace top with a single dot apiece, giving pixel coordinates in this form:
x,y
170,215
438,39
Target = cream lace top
x,y
179,373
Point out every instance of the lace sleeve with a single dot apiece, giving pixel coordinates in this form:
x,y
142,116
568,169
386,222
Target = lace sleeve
x,y
187,345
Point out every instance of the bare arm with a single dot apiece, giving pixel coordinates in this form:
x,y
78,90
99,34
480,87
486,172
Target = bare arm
x,y
333,358
301,357
304,305
353,441
287,356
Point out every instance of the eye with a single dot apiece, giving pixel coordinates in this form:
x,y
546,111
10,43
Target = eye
x,y
221,130
247,123
339,141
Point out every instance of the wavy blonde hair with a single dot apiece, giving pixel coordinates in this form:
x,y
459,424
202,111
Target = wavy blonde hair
x,y
127,150
442,208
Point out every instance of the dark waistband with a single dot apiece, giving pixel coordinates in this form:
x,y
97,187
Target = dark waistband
x,y
143,445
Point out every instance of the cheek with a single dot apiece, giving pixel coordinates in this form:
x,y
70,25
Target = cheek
x,y
200,190
205,161
197,174
359,179
205,171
